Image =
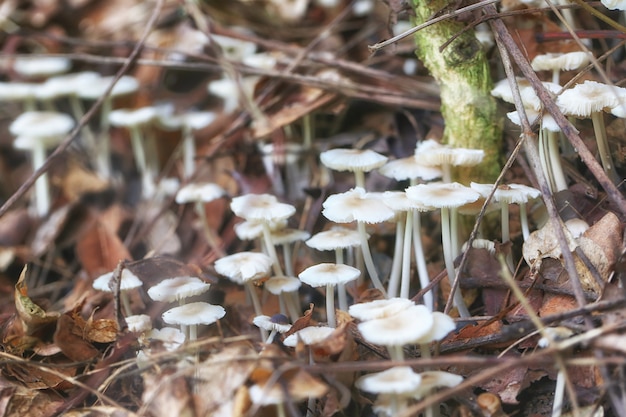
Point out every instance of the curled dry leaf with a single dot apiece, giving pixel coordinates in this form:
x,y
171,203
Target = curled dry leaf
x,y
33,317
98,331
68,337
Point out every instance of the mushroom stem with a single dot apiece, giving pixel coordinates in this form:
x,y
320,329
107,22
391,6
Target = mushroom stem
x,y
256,303
406,259
125,304
271,336
359,178
398,257
555,162
193,332
420,260
271,250
189,152
330,305
523,216
447,172
449,261
544,158
603,145
367,258
136,142
42,192
103,147
396,352
341,288
287,259
212,240
559,394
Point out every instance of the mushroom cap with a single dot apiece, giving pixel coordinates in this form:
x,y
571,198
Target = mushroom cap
x,y
193,314
335,238
194,192
193,120
65,85
134,117
262,60
42,125
442,195
356,205
171,337
328,274
560,61
125,85
309,335
244,266
138,323
398,201
530,100
281,284
436,379
432,153
129,281
15,91
277,322
409,169
352,159
234,49
251,229
507,193
262,207
42,66
177,288
406,326
288,235
502,89
397,380
379,309
442,325
614,4
589,97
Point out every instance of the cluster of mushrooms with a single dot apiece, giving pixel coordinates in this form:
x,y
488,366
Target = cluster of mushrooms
x,y
394,320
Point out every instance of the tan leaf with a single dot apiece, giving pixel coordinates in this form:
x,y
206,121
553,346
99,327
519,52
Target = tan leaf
x,y
33,316
68,337
99,249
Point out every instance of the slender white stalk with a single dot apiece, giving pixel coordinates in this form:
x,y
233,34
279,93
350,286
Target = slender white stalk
x,y
420,260
367,258
603,145
398,258
136,141
270,338
359,179
42,191
544,158
256,304
559,394
449,261
341,288
555,162
271,250
287,259
189,152
523,216
103,148
211,238
330,305
396,352
406,258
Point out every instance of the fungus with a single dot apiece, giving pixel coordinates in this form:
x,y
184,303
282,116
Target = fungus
x,y
199,194
432,153
329,275
357,205
177,289
128,281
447,197
192,315
358,161
395,384
379,309
286,288
284,237
555,62
278,323
36,132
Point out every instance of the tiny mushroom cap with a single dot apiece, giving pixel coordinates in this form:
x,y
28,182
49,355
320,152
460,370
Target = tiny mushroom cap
x,y
134,117
356,205
264,207
614,4
252,229
409,169
125,85
562,61
204,192
328,274
128,282
278,323
309,335
352,159
193,120
442,195
171,337
584,99
486,244
502,89
442,325
50,127
406,326
234,49
16,91
194,314
44,66
435,379
397,380
244,266
281,284
139,323
379,309
335,238
508,193
178,288
287,235
432,153
65,85
398,201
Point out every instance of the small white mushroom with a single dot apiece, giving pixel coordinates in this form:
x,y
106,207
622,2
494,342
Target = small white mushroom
x,y
358,161
128,282
192,315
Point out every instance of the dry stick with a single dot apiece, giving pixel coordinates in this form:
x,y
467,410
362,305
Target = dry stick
x,y
507,46
85,119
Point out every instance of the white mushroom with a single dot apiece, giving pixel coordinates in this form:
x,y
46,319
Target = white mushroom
x,y
358,161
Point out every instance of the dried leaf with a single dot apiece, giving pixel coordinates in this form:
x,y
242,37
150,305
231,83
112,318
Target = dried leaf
x,y
98,331
99,249
99,411
166,394
68,337
32,316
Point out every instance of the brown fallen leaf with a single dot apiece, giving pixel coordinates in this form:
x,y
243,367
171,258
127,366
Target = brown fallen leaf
x,y
166,393
33,317
68,337
98,331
